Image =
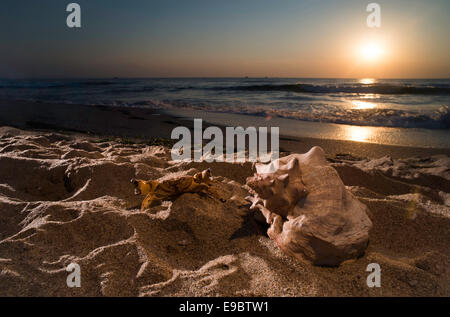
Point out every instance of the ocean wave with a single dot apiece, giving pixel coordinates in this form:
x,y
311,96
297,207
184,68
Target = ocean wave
x,y
413,103
353,89
53,84
379,117
439,119
245,86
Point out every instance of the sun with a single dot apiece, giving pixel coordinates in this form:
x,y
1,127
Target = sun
x,y
371,52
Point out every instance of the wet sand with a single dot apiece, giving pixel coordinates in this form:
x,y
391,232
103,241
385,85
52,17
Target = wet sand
x,y
145,124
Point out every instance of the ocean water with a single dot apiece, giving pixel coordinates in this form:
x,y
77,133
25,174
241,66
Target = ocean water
x,y
412,103
412,107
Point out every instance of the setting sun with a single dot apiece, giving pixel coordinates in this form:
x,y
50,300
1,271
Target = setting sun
x,y
371,51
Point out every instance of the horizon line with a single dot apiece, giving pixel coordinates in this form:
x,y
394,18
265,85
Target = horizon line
x,y
211,77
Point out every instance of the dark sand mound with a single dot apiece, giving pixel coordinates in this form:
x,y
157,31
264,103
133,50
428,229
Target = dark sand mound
x,y
68,199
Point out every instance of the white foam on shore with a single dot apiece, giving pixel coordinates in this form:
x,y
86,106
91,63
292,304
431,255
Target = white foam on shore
x,y
410,168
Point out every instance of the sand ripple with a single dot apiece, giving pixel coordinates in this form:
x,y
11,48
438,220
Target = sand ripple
x,y
67,199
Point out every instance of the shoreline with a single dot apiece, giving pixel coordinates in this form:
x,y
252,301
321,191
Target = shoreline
x,y
142,124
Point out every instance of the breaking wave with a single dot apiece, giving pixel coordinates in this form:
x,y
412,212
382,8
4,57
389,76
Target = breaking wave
x,y
354,89
135,86
439,119
403,103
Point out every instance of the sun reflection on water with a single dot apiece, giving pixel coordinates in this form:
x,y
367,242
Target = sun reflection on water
x,y
367,81
358,104
359,134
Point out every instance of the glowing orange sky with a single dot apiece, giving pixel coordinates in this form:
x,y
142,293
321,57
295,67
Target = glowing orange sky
x,y
225,39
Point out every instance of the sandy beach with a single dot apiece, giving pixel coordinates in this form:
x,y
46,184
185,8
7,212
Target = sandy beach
x,y
66,197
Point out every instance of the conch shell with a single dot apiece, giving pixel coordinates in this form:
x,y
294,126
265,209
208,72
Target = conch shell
x,y
311,214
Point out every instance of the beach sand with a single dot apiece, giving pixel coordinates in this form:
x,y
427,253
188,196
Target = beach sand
x,y
66,197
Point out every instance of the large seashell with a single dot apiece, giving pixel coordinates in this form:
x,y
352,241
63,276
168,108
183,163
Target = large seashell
x,y
311,214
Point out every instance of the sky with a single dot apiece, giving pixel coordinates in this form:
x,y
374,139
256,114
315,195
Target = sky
x,y
212,38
